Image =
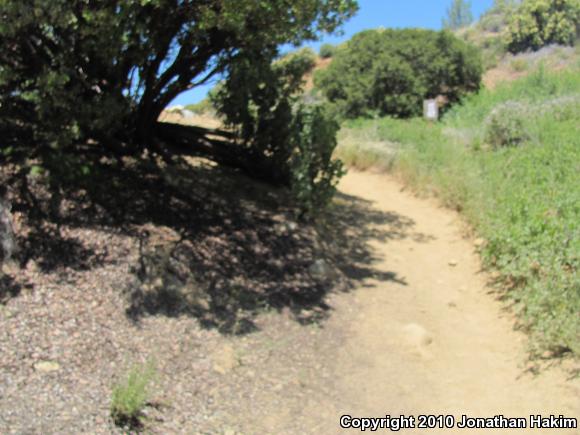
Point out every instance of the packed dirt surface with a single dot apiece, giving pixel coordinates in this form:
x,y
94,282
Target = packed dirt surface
x,y
422,334
434,340
417,331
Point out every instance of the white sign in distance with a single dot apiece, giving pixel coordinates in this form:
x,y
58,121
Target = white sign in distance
x,y
431,110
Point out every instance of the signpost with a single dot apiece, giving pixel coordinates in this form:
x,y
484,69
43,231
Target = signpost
x,y
431,110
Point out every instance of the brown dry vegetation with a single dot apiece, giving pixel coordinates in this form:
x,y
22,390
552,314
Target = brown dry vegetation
x,y
319,65
512,67
205,120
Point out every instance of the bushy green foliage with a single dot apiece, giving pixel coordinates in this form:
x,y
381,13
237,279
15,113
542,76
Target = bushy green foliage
x,y
72,70
458,15
390,72
537,23
522,200
131,395
506,125
289,141
314,174
302,60
327,51
49,51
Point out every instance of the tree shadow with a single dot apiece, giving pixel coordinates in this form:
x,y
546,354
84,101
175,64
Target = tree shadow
x,y
209,242
9,288
353,223
52,251
256,257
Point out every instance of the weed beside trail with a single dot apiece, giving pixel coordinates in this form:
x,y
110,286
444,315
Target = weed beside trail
x,y
131,396
516,177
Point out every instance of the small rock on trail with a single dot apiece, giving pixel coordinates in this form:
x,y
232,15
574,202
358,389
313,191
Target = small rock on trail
x,y
416,335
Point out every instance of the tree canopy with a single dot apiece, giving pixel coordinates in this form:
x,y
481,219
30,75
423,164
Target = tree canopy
x,y
88,66
101,72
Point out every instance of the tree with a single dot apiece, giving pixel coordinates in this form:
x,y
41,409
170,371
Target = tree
x,y
458,15
73,70
390,72
537,23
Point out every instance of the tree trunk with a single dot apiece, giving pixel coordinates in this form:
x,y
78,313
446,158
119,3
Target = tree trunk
x,y
6,231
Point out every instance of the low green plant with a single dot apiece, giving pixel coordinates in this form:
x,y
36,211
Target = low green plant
x,y
517,122
302,60
130,396
314,173
507,125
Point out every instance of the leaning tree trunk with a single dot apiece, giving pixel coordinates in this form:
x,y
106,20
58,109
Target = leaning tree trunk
x,y
6,231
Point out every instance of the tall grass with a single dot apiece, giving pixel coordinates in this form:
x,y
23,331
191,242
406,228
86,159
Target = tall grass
x,y
524,200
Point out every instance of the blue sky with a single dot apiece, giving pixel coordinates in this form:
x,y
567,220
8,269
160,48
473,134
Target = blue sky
x,y
372,14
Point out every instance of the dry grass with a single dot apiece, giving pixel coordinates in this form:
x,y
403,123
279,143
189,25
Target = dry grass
x,y
206,120
512,67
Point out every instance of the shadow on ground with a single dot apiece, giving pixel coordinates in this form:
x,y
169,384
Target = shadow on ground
x,y
208,242
9,288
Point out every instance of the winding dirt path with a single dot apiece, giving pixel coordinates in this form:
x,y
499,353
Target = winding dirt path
x,y
440,343
424,335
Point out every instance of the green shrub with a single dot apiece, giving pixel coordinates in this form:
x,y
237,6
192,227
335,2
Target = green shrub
x,y
292,142
506,125
516,122
130,396
300,60
390,72
492,23
541,22
327,51
314,174
565,108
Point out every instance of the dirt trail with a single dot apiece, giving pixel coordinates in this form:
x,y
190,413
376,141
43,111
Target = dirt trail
x,y
424,336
